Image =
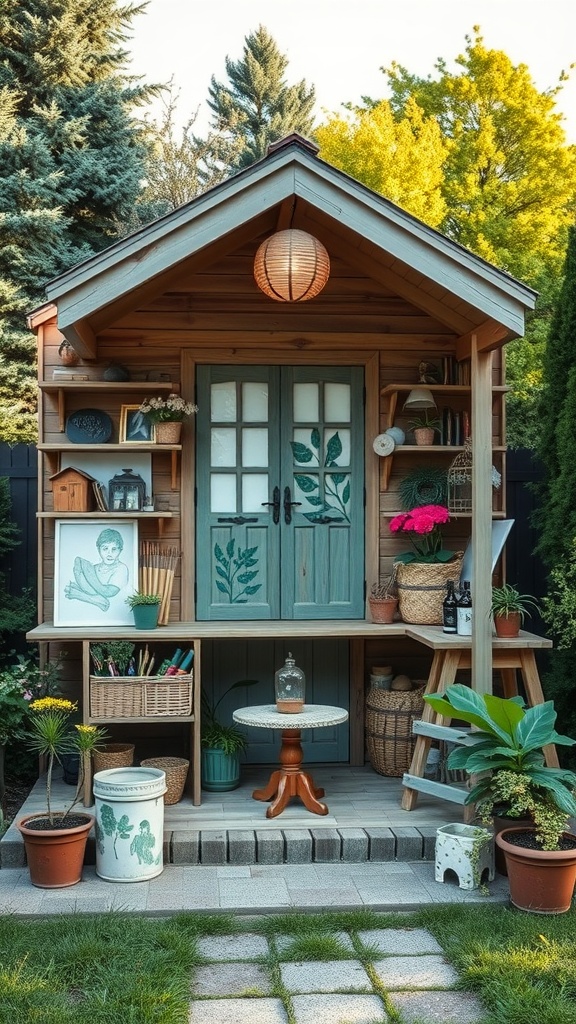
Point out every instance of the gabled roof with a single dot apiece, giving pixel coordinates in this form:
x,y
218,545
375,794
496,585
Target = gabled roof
x,y
235,208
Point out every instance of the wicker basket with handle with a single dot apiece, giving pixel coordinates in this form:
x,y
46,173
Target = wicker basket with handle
x,y
176,771
389,718
140,696
422,589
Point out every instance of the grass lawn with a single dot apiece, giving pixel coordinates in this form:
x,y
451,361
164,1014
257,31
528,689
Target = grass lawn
x,y
125,969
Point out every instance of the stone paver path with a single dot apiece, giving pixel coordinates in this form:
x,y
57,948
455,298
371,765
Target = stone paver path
x,y
249,980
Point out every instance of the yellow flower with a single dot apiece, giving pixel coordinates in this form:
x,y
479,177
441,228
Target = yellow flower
x,y
87,729
53,704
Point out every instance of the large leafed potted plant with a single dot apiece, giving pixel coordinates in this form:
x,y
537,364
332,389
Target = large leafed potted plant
x,y
55,841
423,572
510,773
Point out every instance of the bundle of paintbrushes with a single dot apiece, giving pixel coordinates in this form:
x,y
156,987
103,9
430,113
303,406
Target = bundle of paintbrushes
x,y
157,567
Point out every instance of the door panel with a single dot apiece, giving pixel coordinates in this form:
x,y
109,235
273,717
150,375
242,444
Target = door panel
x,y
280,511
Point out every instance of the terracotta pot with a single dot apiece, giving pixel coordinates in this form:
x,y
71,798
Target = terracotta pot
x,y
502,821
424,436
541,881
55,855
168,432
507,625
383,609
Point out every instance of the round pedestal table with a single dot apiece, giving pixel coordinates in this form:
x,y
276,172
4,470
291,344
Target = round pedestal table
x,y
290,779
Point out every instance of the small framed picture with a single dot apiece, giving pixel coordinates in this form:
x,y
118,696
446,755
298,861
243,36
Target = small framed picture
x,y
135,426
95,569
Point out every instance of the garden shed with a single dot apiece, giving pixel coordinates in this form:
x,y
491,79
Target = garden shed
x,y
275,501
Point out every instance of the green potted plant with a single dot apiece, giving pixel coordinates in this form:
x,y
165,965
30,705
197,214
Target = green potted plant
x,y
424,428
509,609
507,760
55,841
221,745
145,608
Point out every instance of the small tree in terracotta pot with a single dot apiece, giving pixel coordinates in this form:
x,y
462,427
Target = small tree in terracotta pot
x,y
383,600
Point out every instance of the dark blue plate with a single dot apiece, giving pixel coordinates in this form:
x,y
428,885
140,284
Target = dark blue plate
x,y
89,426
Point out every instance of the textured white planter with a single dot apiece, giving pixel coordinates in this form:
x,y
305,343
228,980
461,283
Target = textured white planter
x,y
455,846
129,823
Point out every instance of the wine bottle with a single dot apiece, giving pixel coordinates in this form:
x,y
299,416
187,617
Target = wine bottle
x,y
450,610
464,610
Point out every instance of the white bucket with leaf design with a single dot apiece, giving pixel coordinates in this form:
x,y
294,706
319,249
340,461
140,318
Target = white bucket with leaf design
x,y
129,823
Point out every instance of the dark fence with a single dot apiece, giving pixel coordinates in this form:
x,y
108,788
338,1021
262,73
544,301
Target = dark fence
x,y
20,465
524,569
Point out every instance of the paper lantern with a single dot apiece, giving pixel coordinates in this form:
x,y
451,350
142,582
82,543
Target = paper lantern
x,y
291,266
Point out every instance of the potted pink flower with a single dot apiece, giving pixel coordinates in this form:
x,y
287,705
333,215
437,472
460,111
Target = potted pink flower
x,y
423,572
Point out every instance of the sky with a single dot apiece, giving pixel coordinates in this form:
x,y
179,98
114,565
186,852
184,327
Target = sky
x,y
339,45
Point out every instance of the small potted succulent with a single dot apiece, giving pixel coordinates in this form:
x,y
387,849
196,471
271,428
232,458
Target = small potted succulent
x,y
145,608
509,609
424,428
383,600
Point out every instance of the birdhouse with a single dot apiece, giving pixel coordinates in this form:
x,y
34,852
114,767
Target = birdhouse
x,y
73,490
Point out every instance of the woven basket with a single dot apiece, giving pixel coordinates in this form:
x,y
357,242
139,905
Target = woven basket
x,y
168,432
140,696
422,589
176,771
389,718
113,755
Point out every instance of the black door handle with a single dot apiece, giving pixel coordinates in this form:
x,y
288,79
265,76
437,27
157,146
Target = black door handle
x,y
275,503
288,505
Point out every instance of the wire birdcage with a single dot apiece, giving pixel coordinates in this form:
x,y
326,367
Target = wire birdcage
x,y
460,480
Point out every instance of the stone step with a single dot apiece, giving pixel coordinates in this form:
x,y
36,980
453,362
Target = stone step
x,y
271,846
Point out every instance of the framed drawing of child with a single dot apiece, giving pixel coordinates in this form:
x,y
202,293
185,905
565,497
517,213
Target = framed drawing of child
x,y
95,569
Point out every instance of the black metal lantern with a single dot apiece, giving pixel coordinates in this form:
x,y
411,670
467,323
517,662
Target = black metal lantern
x,y
126,492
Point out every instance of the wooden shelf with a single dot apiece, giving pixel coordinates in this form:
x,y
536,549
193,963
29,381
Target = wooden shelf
x,y
56,449
53,386
390,393
100,514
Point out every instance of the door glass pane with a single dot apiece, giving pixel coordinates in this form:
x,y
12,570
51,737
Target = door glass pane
x,y
306,403
223,402
254,492
337,447
255,402
306,445
223,446
223,492
307,491
255,446
337,403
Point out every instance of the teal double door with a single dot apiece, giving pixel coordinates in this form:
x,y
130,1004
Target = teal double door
x,y
280,486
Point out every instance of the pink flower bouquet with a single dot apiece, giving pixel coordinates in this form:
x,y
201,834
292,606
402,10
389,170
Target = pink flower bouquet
x,y
423,523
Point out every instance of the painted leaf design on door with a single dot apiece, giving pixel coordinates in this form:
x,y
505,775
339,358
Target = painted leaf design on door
x,y
332,504
234,572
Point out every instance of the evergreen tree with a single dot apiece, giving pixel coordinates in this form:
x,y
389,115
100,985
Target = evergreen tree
x,y
71,158
257,107
557,410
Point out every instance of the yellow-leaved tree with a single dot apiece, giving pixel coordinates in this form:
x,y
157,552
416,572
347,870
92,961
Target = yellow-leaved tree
x,y
401,159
